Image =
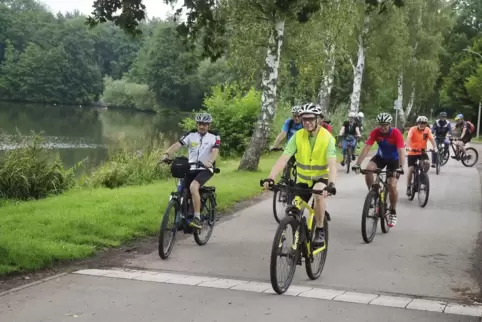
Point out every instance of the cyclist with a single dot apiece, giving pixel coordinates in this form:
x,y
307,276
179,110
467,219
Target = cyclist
x,y
417,139
359,120
461,132
203,145
349,131
314,148
390,154
290,126
326,125
441,128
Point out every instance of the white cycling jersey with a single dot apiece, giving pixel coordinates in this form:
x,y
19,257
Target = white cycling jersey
x,y
200,146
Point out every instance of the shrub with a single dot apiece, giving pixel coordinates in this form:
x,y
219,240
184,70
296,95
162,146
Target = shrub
x,y
127,165
234,116
30,171
122,93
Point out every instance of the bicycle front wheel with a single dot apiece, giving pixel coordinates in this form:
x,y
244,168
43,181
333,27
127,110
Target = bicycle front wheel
x,y
168,229
423,189
348,159
437,164
314,266
281,254
369,220
279,203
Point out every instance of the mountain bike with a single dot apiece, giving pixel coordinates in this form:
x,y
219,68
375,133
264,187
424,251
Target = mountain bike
x,y
179,213
350,150
420,182
375,200
284,196
443,154
303,233
464,157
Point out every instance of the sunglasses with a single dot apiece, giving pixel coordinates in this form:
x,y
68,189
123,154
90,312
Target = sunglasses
x,y
423,123
308,119
384,124
202,124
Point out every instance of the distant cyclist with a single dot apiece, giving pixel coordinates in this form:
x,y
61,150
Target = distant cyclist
x,y
290,126
349,132
441,128
390,154
359,120
461,132
417,138
203,145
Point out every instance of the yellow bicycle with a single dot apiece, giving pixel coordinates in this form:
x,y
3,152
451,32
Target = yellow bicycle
x,y
302,233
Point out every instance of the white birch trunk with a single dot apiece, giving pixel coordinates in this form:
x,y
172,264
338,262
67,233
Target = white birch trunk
x,y
327,79
399,102
412,99
269,82
359,69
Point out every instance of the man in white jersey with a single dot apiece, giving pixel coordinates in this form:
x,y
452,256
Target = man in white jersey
x,y
203,145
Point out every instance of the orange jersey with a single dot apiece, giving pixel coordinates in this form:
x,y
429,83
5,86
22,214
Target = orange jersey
x,y
419,139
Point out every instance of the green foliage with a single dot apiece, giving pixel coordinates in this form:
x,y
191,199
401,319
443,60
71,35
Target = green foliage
x,y
121,93
30,171
127,165
234,114
474,85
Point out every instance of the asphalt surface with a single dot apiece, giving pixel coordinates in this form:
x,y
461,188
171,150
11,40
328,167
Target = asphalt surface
x,y
431,253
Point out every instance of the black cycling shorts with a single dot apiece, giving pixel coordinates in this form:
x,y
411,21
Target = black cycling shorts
x,y
306,196
201,176
390,164
412,159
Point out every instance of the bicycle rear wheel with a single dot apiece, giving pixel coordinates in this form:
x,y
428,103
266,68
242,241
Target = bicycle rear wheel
x,y
369,222
168,229
280,251
314,267
470,159
208,218
423,189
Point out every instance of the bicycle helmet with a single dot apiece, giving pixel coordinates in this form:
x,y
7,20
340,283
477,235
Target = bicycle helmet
x,y
422,119
351,114
310,108
443,114
296,109
384,118
204,118
361,115
459,117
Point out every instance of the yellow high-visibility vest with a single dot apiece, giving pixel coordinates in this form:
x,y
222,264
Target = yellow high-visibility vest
x,y
312,164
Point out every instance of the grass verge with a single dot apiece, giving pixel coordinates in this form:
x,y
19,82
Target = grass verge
x,y
77,224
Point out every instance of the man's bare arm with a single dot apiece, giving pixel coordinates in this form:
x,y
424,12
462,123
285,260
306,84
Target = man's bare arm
x,y
173,148
332,168
363,154
279,139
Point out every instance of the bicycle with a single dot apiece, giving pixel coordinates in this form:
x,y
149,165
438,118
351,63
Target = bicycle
x,y
463,157
284,196
443,153
350,151
420,181
180,203
303,234
376,199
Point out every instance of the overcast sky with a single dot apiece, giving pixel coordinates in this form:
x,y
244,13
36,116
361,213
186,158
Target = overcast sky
x,y
155,8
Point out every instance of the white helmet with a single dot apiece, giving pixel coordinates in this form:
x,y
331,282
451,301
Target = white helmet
x,y
351,114
422,119
204,118
310,108
361,115
384,118
295,109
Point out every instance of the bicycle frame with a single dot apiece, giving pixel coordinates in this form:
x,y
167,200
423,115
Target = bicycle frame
x,y
300,204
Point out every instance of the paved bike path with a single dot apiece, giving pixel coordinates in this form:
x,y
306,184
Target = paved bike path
x,y
429,253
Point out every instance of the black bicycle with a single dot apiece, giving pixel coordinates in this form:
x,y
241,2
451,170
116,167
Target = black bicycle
x,y
302,232
468,159
282,196
179,211
420,181
443,154
350,150
376,205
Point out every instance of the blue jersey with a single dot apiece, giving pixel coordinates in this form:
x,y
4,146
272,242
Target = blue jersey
x,y
441,128
290,131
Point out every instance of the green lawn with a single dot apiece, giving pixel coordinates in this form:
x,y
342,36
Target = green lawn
x,y
75,225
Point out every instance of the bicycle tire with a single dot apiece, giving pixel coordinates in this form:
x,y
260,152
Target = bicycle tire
x,y
308,265
210,220
412,192
372,195
445,157
383,212
165,220
273,269
423,176
348,159
276,194
437,164
476,158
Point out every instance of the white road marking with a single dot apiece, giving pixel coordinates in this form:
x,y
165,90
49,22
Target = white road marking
x,y
410,303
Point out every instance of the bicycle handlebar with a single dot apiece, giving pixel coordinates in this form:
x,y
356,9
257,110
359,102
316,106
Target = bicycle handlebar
x,y
274,186
420,150
199,164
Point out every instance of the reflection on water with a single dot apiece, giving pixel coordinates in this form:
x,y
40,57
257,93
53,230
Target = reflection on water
x,y
79,133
